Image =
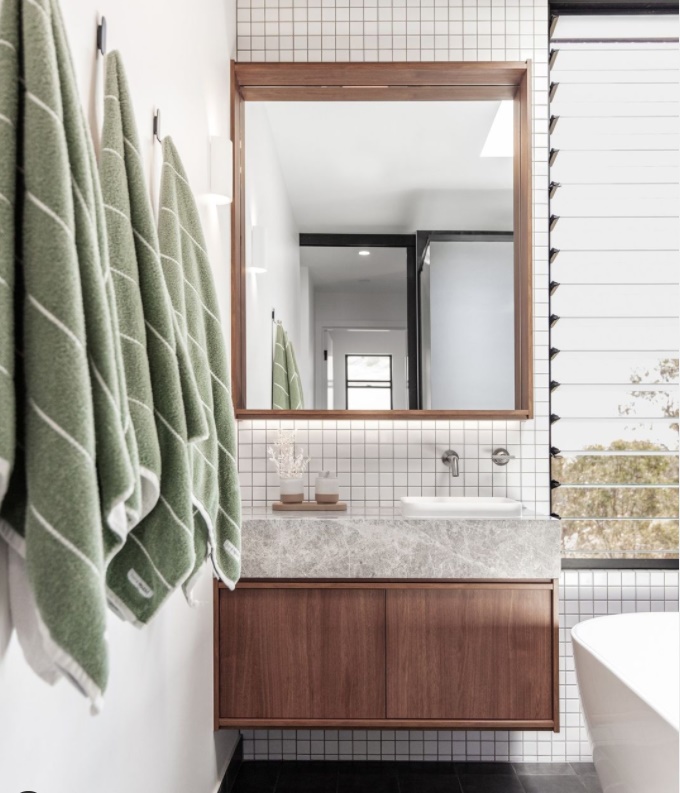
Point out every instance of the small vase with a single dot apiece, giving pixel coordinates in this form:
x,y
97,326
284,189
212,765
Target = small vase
x,y
292,491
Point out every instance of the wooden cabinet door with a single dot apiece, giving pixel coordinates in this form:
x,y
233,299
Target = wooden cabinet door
x,y
470,653
302,654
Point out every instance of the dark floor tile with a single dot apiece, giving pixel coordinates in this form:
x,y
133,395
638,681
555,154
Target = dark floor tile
x,y
552,784
490,783
308,776
591,783
550,769
257,776
485,768
428,777
583,768
367,777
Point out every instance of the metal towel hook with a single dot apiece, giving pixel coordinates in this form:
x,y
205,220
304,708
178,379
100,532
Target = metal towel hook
x,y
157,126
101,36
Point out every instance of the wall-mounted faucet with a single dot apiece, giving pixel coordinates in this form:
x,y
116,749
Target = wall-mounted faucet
x,y
451,458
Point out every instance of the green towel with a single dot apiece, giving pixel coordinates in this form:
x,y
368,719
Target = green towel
x,y
9,119
216,493
64,511
119,156
159,553
286,383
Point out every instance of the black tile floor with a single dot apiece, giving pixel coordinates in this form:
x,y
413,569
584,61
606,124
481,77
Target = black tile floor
x,y
310,776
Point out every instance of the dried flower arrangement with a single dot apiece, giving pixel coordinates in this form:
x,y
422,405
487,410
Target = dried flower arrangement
x,y
289,464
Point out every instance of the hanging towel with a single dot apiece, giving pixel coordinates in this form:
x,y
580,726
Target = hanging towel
x,y
64,511
159,553
131,241
286,383
9,119
216,493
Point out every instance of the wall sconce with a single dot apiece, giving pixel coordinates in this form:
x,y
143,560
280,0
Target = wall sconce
x,y
221,169
258,250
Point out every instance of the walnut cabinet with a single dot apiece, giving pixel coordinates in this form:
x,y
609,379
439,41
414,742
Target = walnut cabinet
x,y
444,654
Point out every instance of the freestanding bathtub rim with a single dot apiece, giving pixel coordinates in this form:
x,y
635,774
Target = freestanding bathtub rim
x,y
671,715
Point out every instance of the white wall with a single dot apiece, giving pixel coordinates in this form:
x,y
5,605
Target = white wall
x,y
155,732
282,287
351,310
472,358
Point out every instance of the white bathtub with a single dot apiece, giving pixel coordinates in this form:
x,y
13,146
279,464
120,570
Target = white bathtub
x,y
627,667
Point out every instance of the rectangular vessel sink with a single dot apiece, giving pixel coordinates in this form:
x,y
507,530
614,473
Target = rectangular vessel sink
x,y
459,507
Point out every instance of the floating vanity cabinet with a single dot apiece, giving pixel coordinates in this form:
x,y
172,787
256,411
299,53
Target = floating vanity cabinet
x,y
444,654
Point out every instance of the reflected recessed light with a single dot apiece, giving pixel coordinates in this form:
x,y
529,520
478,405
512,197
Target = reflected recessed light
x,y
364,253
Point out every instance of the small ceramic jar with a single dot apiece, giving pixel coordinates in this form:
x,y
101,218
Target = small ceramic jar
x,y
292,491
326,489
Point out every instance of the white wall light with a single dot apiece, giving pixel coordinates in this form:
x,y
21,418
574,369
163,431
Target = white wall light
x,y
258,250
499,141
221,169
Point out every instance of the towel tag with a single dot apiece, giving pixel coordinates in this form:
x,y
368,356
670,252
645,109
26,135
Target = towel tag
x,y
232,550
139,584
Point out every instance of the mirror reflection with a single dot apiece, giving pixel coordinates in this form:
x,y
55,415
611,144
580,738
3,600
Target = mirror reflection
x,y
380,262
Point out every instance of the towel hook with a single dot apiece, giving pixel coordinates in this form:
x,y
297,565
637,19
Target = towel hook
x,y
101,36
157,126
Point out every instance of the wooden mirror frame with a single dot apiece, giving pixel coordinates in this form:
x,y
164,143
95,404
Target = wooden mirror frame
x,y
296,82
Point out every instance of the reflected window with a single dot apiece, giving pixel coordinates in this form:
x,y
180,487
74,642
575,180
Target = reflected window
x,y
368,381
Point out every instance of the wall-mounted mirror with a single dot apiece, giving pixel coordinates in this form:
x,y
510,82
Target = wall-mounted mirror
x,y
382,240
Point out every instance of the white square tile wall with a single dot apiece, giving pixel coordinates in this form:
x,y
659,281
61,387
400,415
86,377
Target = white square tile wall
x,y
583,594
377,462
380,461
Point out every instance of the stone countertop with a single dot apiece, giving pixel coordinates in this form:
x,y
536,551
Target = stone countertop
x,y
355,546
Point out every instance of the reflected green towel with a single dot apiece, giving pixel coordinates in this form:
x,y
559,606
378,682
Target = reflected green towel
x,y
188,273
65,507
286,384
159,553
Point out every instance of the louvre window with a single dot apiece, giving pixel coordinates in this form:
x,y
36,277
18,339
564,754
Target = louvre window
x,y
614,284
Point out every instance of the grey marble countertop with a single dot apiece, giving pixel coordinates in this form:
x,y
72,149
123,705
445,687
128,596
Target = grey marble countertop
x,y
357,546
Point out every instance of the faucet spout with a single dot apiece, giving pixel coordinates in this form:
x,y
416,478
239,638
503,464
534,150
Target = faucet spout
x,y
451,459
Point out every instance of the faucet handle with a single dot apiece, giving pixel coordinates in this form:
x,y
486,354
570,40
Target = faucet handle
x,y
501,456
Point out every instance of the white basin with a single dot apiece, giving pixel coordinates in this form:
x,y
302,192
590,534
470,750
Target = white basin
x,y
459,507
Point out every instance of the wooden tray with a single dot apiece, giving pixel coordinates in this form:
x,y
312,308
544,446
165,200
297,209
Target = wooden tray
x,y
309,506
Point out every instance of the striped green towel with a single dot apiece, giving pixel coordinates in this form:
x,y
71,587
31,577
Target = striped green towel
x,y
119,154
65,507
216,492
159,553
9,117
286,383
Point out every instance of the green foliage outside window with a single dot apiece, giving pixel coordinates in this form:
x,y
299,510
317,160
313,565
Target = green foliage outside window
x,y
640,520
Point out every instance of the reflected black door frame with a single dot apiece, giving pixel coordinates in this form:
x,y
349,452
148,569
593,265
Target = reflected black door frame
x,y
408,243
